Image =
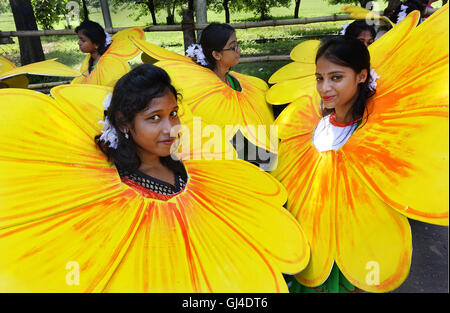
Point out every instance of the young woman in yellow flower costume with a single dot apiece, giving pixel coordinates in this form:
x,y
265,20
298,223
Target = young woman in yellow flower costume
x,y
213,92
355,175
107,56
15,77
69,222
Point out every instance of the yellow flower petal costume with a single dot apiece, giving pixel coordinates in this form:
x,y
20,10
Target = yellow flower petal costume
x,y
353,203
69,224
113,63
14,77
359,13
214,101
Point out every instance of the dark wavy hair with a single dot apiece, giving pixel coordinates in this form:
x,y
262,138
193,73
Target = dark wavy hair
x,y
214,38
95,32
132,94
357,27
349,52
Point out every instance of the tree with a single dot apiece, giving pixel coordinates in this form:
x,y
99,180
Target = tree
x,y
30,47
226,6
48,12
297,8
262,7
361,3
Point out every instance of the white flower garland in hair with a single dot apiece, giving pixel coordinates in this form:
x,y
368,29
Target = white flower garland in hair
x,y
344,27
195,51
109,133
402,14
373,84
108,39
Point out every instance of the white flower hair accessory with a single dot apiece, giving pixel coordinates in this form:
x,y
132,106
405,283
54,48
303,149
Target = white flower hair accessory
x,y
344,28
402,13
195,51
109,133
373,83
108,39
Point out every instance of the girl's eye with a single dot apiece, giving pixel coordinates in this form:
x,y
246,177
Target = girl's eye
x,y
154,118
318,78
174,113
336,77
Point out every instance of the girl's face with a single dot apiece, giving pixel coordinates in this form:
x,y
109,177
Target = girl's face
x,y
231,52
85,44
151,128
365,37
337,85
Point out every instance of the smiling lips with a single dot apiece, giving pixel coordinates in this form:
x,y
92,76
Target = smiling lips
x,y
327,99
167,141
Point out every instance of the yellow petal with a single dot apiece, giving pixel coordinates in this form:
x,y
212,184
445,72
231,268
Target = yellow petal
x,y
292,71
289,90
299,118
109,70
122,46
158,52
305,52
5,65
360,13
373,242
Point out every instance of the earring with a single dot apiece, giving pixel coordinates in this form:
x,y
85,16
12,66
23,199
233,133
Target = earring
x,y
125,133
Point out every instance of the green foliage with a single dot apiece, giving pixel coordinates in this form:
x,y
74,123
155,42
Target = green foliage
x,y
262,7
4,6
49,12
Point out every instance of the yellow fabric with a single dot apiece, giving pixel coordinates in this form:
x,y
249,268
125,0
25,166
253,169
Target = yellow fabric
x,y
353,203
64,210
113,64
214,101
14,77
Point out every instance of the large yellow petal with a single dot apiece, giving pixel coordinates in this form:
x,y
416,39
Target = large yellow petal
x,y
402,151
299,117
73,251
289,90
46,68
109,70
305,52
158,52
214,241
292,71
387,45
5,65
373,242
41,143
122,46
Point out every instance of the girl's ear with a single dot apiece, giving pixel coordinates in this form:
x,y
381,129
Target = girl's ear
x,y
121,124
216,55
362,76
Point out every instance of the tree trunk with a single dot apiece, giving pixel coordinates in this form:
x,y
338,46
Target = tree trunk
x,y
444,2
151,8
30,47
391,7
297,8
170,18
191,5
187,24
85,11
227,11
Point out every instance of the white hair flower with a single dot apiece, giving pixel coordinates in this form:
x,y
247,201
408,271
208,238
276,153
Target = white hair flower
x,y
402,14
195,51
344,28
109,133
108,39
373,82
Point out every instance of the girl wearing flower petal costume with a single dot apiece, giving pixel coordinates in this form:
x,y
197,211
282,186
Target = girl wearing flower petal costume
x,y
357,161
107,56
216,94
71,221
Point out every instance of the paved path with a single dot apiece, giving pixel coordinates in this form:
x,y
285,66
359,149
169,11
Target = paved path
x,y
429,264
